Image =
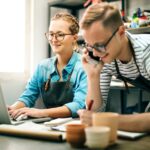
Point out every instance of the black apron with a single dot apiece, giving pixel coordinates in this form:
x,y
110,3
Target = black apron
x,y
55,94
140,81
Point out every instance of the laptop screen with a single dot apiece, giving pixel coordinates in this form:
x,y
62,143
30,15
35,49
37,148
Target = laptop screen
x,y
4,116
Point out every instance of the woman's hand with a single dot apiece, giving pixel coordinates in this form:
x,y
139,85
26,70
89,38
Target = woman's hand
x,y
32,112
15,106
85,116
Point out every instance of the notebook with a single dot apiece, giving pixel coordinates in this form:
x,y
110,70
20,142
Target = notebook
x,y
130,135
5,117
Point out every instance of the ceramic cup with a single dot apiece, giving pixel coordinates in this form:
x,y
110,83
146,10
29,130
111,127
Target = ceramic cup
x,y
107,119
75,135
97,136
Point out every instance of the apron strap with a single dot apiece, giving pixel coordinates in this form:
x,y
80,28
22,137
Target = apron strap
x,y
68,81
117,68
71,74
47,83
49,80
123,79
133,53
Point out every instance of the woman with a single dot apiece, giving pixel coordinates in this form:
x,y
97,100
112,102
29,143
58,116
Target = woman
x,y
59,80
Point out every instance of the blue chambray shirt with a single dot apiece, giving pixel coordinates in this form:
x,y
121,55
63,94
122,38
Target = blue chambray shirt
x,y
47,67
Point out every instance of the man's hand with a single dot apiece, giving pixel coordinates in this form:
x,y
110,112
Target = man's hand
x,y
90,69
85,116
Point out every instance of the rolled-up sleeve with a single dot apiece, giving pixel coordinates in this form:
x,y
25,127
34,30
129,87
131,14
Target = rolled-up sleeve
x,y
31,92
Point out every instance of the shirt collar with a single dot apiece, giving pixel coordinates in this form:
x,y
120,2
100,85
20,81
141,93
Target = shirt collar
x,y
71,63
53,65
134,40
68,67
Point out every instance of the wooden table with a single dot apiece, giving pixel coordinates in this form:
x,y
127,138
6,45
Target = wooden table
x,y
18,143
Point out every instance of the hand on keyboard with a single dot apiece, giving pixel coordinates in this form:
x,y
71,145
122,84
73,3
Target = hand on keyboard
x,y
21,117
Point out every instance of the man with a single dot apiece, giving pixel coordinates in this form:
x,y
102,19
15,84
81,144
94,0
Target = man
x,y
120,54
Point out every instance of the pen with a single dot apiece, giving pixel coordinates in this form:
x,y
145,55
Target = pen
x,y
90,104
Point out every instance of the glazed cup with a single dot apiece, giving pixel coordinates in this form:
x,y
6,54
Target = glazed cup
x,y
75,135
97,136
107,119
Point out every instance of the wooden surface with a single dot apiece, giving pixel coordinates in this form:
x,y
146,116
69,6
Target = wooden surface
x,y
18,143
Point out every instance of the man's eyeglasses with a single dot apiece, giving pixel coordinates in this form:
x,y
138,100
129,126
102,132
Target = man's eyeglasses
x,y
100,47
58,36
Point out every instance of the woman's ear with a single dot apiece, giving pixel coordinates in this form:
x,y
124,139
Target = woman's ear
x,y
75,37
75,45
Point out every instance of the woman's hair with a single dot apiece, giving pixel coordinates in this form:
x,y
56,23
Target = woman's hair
x,y
74,27
107,14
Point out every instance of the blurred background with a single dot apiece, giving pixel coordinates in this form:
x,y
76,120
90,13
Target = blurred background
x,y
23,44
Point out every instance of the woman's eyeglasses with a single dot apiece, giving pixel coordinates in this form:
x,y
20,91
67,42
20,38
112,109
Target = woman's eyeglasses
x,y
100,47
58,36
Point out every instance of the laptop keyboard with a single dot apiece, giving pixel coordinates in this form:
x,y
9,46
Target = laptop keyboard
x,y
33,119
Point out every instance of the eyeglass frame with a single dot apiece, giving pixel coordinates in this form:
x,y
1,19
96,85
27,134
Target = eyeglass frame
x,y
102,47
56,36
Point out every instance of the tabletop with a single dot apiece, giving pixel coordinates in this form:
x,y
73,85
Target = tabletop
x,y
19,143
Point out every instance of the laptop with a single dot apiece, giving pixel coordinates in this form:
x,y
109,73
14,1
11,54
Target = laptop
x,y
6,119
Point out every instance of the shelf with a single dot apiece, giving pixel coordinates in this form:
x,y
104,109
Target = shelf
x,y
70,4
141,30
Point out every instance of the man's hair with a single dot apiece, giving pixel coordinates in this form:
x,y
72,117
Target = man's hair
x,y
74,24
108,15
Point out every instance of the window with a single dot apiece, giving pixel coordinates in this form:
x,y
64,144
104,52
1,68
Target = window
x,y
12,36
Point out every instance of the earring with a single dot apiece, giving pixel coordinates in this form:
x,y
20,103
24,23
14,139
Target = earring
x,y
75,46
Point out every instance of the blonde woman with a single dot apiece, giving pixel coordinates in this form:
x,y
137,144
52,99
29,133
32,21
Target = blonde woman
x,y
60,80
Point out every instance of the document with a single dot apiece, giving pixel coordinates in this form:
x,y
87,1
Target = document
x,y
130,135
62,127
58,121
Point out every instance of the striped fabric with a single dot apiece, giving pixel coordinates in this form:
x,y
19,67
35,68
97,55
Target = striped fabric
x,y
141,46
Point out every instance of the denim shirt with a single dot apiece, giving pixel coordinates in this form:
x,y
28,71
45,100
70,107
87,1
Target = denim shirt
x,y
48,67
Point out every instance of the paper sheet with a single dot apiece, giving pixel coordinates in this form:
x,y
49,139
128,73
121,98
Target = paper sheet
x,y
27,126
63,126
130,135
